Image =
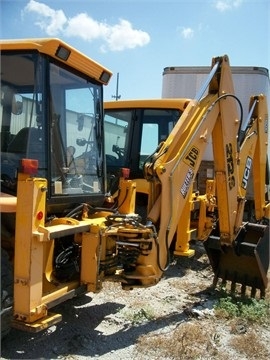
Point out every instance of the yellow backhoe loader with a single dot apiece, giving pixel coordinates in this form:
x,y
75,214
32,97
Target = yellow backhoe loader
x,y
63,235
51,99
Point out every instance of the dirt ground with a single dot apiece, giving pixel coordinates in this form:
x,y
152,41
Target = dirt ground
x,y
172,320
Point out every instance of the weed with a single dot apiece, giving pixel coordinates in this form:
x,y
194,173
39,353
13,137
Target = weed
x,y
187,341
140,316
253,310
250,345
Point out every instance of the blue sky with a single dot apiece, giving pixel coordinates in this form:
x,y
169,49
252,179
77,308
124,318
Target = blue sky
x,y
138,38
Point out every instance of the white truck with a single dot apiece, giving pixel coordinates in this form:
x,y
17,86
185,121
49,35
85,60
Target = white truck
x,y
185,81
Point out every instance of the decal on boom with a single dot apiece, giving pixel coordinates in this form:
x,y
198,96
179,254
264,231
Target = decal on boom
x,y
192,156
187,182
246,173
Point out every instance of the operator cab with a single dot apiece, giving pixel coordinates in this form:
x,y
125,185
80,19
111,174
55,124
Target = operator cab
x,y
133,131
52,113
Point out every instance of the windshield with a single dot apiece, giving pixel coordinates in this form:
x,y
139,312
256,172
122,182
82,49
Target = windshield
x,y
53,115
117,133
75,133
132,134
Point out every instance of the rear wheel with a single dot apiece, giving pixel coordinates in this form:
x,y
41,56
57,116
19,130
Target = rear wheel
x,y
6,293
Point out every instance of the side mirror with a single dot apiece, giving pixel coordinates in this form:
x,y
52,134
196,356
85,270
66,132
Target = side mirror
x,y
81,142
80,121
17,104
11,100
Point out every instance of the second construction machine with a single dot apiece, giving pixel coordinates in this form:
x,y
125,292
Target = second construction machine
x,y
214,156
68,236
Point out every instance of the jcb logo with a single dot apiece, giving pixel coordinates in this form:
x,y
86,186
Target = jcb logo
x,y
192,156
230,165
246,173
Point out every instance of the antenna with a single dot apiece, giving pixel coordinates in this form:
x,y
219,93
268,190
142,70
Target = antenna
x,y
116,96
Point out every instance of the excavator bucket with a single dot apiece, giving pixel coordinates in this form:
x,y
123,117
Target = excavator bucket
x,y
245,263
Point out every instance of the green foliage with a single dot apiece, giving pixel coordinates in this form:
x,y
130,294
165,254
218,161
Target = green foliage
x,y
142,315
251,309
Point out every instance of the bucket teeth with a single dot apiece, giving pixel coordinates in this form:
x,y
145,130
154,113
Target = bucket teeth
x,y
224,282
237,288
253,292
243,290
233,287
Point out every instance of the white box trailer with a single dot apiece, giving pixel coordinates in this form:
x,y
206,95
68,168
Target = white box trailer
x,y
186,81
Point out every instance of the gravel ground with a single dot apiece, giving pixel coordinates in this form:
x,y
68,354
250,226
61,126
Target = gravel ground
x,y
172,320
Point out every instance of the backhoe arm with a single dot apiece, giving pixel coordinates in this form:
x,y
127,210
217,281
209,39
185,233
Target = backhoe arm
x,y
238,251
254,159
244,259
176,164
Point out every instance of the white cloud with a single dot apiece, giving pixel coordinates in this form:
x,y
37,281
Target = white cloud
x,y
187,33
122,36
85,27
51,21
115,37
224,5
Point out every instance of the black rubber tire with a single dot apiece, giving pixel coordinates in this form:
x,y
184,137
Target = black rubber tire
x,y
6,293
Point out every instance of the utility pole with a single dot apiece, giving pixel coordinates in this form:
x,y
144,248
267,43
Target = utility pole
x,y
116,96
